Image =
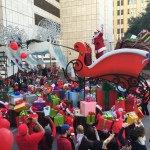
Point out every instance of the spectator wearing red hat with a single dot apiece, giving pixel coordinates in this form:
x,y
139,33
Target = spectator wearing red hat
x,y
69,117
25,141
63,142
117,125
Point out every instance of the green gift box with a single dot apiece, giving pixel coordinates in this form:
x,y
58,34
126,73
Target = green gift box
x,y
53,112
58,120
55,100
90,118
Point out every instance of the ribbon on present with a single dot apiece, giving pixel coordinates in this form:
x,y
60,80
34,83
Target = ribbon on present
x,y
38,94
17,93
108,116
91,113
88,99
23,113
106,88
104,123
121,99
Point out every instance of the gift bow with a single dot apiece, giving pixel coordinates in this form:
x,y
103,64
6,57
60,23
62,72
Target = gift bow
x,y
108,116
23,113
121,99
91,113
89,99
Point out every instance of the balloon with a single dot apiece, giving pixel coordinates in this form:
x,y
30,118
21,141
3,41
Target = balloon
x,y
23,55
71,129
14,46
6,138
4,123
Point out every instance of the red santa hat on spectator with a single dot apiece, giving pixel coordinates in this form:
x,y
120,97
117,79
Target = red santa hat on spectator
x,y
98,85
33,109
117,115
60,113
3,112
6,104
99,107
63,106
69,111
57,107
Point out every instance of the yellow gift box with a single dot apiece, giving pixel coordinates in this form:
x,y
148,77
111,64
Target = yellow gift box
x,y
132,118
20,107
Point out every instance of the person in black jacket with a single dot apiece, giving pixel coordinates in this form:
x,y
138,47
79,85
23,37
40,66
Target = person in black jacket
x,y
135,137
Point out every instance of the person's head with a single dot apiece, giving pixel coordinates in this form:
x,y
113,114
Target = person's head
x,y
48,130
23,129
35,129
141,131
65,129
91,133
80,129
133,135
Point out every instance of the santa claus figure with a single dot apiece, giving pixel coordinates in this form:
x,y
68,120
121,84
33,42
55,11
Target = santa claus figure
x,y
98,41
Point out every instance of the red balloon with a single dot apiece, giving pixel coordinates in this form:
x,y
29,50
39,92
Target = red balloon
x,y
14,46
71,129
4,123
6,138
23,55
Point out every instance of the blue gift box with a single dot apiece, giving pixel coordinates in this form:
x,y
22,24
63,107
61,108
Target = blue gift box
x,y
74,98
68,94
61,94
15,98
82,95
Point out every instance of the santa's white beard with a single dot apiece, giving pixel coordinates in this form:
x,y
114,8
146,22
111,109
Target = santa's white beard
x,y
96,35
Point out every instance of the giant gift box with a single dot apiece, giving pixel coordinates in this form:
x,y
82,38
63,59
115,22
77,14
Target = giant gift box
x,y
74,97
58,120
130,100
120,103
15,98
53,112
106,98
30,98
20,107
55,100
90,118
87,107
104,124
132,118
68,94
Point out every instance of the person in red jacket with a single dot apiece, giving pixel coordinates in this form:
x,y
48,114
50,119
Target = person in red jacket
x,y
25,141
98,41
63,142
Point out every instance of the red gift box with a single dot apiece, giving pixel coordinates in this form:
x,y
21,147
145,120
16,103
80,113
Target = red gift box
x,y
112,98
119,104
20,120
99,97
104,124
130,103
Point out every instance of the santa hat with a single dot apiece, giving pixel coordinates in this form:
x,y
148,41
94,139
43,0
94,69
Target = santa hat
x,y
99,107
33,109
63,105
96,30
3,112
57,107
60,113
69,111
98,85
6,104
117,114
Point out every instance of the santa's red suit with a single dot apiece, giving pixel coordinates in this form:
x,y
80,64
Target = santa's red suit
x,y
98,41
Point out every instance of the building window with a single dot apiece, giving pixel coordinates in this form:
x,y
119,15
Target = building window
x,y
38,18
118,31
118,12
128,11
122,21
122,30
118,3
121,2
118,21
47,7
121,12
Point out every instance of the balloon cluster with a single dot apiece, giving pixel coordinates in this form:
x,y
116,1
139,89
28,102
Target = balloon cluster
x,y
6,136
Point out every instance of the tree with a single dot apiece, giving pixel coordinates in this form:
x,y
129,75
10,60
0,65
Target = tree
x,y
141,22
